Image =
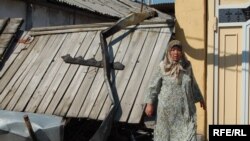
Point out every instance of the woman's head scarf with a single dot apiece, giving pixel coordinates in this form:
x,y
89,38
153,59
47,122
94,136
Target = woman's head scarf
x,y
173,68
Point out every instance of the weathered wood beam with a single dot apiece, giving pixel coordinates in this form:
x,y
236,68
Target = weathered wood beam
x,y
131,19
90,62
35,33
3,24
97,25
8,35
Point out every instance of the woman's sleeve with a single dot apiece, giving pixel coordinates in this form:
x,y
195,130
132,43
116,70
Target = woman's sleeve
x,y
195,88
154,87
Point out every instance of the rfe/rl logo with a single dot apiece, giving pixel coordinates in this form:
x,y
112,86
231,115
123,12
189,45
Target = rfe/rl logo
x,y
228,132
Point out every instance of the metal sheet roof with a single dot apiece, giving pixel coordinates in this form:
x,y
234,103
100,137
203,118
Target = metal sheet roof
x,y
115,8
109,7
36,79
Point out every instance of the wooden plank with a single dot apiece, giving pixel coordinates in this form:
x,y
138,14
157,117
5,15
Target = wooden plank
x,y
35,33
137,76
30,72
49,76
4,41
76,104
68,79
88,49
129,61
20,69
2,49
82,93
3,23
61,30
145,23
19,65
74,86
83,90
63,27
8,34
13,25
125,40
20,47
98,81
158,53
6,81
40,72
47,97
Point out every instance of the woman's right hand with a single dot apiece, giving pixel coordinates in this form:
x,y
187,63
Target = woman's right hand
x,y
149,110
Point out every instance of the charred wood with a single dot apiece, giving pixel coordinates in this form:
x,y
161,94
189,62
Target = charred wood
x,y
91,62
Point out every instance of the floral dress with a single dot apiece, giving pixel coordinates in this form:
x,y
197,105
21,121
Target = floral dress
x,y
176,111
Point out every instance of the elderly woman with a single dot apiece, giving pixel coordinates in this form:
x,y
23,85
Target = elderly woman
x,y
175,90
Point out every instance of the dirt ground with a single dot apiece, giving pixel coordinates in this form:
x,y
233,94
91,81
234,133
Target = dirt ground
x,y
83,130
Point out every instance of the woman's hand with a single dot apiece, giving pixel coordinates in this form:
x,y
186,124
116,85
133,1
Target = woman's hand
x,y
149,110
203,104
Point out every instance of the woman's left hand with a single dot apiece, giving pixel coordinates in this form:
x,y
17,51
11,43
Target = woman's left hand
x,y
203,104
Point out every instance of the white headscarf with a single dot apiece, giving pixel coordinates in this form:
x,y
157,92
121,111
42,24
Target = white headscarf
x,y
173,68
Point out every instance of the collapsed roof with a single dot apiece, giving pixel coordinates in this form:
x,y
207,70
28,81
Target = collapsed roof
x,y
36,79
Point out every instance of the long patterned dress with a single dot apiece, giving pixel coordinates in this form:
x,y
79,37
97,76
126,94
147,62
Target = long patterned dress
x,y
176,111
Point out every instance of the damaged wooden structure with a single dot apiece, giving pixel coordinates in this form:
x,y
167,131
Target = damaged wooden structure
x,y
133,19
8,31
36,79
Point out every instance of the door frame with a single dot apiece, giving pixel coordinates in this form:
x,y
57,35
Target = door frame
x,y
245,62
245,73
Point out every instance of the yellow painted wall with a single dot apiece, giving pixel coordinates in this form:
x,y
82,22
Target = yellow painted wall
x,y
211,28
190,29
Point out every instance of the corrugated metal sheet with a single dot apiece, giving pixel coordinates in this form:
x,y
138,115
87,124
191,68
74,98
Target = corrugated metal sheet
x,y
109,7
36,79
114,8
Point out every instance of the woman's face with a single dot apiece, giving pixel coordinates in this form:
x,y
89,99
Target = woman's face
x,y
175,53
